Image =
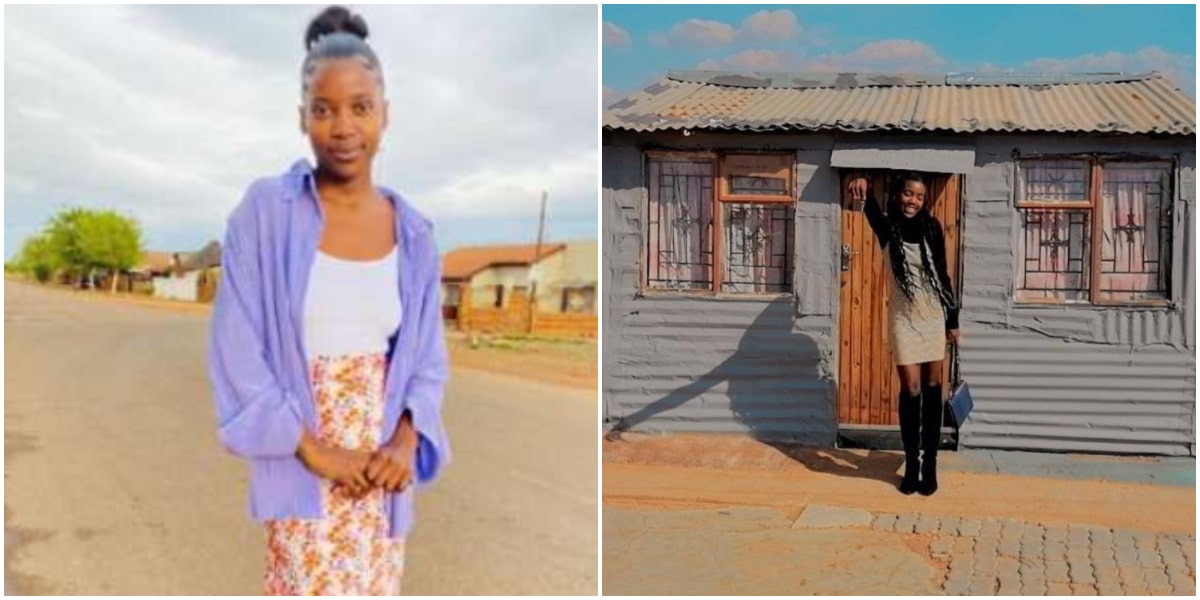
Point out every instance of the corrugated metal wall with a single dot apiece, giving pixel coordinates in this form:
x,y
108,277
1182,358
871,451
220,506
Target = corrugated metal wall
x,y
1072,379
1046,378
735,364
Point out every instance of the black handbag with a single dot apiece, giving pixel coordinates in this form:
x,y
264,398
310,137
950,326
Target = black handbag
x,y
960,401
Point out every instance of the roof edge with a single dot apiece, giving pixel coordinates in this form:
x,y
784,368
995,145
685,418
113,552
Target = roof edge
x,y
802,80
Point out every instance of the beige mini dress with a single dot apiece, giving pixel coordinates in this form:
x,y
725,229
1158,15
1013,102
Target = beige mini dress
x,y
917,327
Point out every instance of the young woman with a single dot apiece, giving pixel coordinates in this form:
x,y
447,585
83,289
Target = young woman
x,y
922,316
326,353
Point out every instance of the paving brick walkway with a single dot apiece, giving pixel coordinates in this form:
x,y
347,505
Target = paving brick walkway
x,y
985,556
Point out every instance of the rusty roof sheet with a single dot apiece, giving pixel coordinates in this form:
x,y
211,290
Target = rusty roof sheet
x,y
965,103
462,263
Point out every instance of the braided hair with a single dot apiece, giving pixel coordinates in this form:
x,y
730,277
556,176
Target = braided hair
x,y
337,33
925,226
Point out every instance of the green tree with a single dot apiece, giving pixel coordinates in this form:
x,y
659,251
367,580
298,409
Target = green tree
x,y
64,236
109,241
81,241
38,258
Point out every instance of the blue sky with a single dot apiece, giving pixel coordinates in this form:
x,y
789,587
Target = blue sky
x,y
642,42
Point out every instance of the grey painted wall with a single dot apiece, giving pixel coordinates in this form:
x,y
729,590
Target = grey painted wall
x,y
1079,378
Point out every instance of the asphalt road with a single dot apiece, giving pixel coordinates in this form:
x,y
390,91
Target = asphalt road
x,y
114,482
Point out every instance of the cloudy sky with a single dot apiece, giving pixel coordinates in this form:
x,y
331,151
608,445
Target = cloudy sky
x,y
167,113
642,42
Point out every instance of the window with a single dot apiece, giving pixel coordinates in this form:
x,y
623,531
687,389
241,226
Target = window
x,y
729,230
1094,231
451,295
580,300
756,177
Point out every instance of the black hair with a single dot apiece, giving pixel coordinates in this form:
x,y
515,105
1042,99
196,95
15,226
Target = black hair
x,y
922,225
338,33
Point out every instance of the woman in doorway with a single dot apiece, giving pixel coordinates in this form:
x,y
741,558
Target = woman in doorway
x,y
326,354
922,316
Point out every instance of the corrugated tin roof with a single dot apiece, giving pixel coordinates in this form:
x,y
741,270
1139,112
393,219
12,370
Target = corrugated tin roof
x,y
964,103
154,262
462,263
206,257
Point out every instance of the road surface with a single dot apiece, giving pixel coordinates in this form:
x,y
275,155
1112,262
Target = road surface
x,y
115,484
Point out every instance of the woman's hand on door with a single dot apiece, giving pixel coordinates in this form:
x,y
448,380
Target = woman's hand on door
x,y
953,336
857,189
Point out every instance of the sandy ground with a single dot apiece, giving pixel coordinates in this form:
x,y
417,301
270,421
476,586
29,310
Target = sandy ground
x,y
754,551
571,363
115,483
706,471
714,514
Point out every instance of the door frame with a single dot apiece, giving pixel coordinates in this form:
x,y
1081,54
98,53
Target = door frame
x,y
853,410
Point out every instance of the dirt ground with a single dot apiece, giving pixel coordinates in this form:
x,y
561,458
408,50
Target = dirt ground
x,y
681,471
722,514
571,363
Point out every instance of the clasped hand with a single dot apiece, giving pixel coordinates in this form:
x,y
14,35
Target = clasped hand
x,y
355,473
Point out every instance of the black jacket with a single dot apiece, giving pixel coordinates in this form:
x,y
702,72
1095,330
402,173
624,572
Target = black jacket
x,y
937,246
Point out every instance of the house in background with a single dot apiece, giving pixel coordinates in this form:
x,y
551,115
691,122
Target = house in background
x,y
190,276
154,264
744,293
566,280
489,288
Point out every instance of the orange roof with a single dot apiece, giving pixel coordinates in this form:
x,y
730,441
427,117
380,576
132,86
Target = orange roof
x,y
462,263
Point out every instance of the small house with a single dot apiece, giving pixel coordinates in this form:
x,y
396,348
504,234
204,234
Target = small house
x,y
522,288
190,276
743,293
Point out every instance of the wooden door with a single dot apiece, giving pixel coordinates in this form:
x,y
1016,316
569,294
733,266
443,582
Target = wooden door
x,y
867,380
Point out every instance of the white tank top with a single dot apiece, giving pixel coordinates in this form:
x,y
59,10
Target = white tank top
x,y
351,306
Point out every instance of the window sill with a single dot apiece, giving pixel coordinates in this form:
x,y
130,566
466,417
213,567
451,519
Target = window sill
x,y
718,297
1163,305
746,199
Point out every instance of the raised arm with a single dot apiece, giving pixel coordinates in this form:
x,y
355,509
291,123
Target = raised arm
x,y
858,189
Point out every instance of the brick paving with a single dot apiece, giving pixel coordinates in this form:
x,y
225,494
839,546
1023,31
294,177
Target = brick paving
x,y
987,556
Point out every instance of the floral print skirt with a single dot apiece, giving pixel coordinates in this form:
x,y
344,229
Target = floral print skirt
x,y
348,552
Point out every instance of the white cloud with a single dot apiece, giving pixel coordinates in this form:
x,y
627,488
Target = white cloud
x,y
881,56
762,26
891,56
770,25
1180,69
699,33
171,119
752,60
615,36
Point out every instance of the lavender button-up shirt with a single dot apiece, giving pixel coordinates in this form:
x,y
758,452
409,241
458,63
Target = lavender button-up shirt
x,y
256,357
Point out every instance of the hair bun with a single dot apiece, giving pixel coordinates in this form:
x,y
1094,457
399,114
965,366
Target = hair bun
x,y
333,20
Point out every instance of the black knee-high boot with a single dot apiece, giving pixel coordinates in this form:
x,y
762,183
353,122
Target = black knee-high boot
x,y
931,436
909,408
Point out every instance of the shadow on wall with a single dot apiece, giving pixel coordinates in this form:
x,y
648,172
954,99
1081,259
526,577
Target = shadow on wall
x,y
775,390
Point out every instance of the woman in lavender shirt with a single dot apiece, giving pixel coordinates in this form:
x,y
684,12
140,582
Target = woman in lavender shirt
x,y
326,353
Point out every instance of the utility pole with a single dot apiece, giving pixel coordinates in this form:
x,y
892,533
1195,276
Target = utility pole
x,y
537,254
